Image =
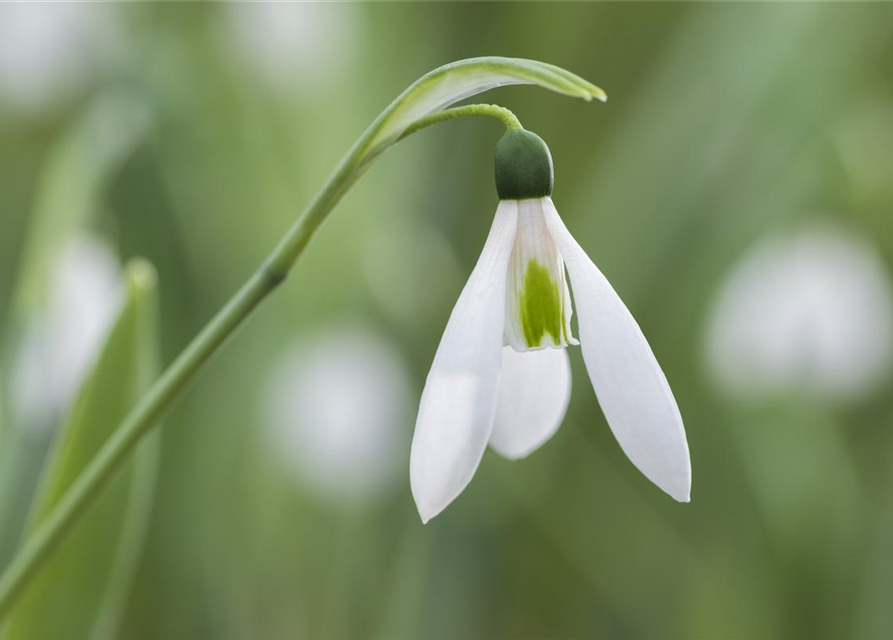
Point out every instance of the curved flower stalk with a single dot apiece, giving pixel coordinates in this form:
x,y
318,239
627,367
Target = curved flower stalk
x,y
501,375
418,105
426,102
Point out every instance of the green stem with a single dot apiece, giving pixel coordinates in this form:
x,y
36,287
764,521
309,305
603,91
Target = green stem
x,y
161,396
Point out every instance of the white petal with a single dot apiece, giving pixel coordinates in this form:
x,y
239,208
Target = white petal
x,y
459,401
631,388
534,389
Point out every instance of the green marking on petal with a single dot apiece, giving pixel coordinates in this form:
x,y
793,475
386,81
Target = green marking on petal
x,y
540,306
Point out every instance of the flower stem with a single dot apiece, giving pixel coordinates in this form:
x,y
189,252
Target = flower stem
x,y
38,548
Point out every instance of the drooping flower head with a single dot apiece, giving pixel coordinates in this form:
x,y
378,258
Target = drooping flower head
x,y
501,375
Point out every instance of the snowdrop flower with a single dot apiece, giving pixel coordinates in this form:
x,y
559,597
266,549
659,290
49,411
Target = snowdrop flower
x,y
809,311
58,347
335,411
501,375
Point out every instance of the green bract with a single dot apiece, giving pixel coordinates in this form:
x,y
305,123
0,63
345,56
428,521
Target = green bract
x,y
523,166
439,89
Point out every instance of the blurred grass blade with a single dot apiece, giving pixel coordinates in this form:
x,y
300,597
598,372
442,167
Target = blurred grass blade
x,y
451,83
73,181
2,409
72,184
80,592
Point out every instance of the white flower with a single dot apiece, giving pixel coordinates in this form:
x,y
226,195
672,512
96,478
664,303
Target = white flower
x,y
335,410
501,374
807,311
58,347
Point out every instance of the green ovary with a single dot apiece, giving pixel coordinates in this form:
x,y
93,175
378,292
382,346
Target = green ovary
x,y
540,306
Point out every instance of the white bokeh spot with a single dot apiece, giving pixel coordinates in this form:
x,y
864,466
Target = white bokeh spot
x,y
61,344
805,312
50,50
338,414
292,45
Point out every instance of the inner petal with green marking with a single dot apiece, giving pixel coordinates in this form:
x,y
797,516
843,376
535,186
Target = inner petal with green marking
x,y
538,307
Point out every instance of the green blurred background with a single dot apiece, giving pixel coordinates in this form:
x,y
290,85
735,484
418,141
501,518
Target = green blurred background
x,y
193,135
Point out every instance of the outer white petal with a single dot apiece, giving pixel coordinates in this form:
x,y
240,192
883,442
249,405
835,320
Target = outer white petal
x,y
459,401
534,390
631,388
